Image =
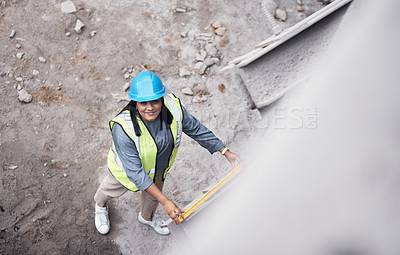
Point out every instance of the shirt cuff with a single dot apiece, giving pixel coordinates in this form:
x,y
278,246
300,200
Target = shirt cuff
x,y
218,147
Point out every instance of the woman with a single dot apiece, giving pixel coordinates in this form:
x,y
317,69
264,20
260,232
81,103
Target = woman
x,y
146,136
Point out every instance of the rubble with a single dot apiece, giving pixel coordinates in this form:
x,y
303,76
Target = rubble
x,y
220,31
119,98
200,99
24,96
187,91
200,67
299,8
201,56
42,59
13,167
280,15
209,61
204,36
68,7
78,27
180,10
216,25
12,33
127,86
19,55
184,71
211,50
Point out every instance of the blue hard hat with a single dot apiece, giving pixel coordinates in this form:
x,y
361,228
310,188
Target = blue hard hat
x,y
146,86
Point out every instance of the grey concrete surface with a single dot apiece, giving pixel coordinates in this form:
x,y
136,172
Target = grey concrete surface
x,y
290,62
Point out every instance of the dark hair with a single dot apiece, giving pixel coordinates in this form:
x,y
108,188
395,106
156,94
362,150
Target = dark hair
x,y
165,115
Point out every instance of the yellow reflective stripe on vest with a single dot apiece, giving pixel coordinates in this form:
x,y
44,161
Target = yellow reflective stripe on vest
x,y
145,143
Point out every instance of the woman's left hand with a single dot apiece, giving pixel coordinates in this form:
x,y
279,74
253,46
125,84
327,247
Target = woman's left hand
x,y
233,157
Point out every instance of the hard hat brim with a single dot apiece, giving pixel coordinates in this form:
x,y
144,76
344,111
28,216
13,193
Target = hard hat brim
x,y
155,96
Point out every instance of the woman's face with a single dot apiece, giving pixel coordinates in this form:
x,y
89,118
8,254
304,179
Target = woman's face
x,y
149,110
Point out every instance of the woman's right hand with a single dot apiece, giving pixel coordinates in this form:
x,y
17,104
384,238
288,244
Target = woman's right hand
x,y
173,211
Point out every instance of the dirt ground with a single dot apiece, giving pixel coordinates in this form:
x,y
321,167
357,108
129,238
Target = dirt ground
x,y
53,149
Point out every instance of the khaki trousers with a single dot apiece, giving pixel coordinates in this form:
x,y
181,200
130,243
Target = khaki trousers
x,y
111,188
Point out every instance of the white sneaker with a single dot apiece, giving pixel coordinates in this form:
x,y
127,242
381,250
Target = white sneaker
x,y
157,224
101,220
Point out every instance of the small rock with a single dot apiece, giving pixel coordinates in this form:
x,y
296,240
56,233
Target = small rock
x,y
216,60
299,8
120,97
12,167
280,15
200,67
192,35
24,96
222,88
220,31
42,59
68,7
299,2
188,91
184,71
180,10
79,25
12,34
126,75
18,46
200,99
211,49
67,34
19,79
107,78
183,34
127,86
201,56
35,72
216,25
19,55
18,87
93,33
209,62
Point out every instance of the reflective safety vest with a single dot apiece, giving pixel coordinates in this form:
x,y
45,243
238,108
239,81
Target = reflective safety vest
x,y
145,143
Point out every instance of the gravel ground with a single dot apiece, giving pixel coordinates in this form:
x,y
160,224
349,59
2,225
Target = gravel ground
x,y
59,87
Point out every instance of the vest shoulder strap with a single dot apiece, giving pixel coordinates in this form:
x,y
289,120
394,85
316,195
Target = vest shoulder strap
x,y
124,119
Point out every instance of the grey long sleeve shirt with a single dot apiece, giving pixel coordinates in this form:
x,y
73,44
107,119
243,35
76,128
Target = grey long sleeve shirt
x,y
129,155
